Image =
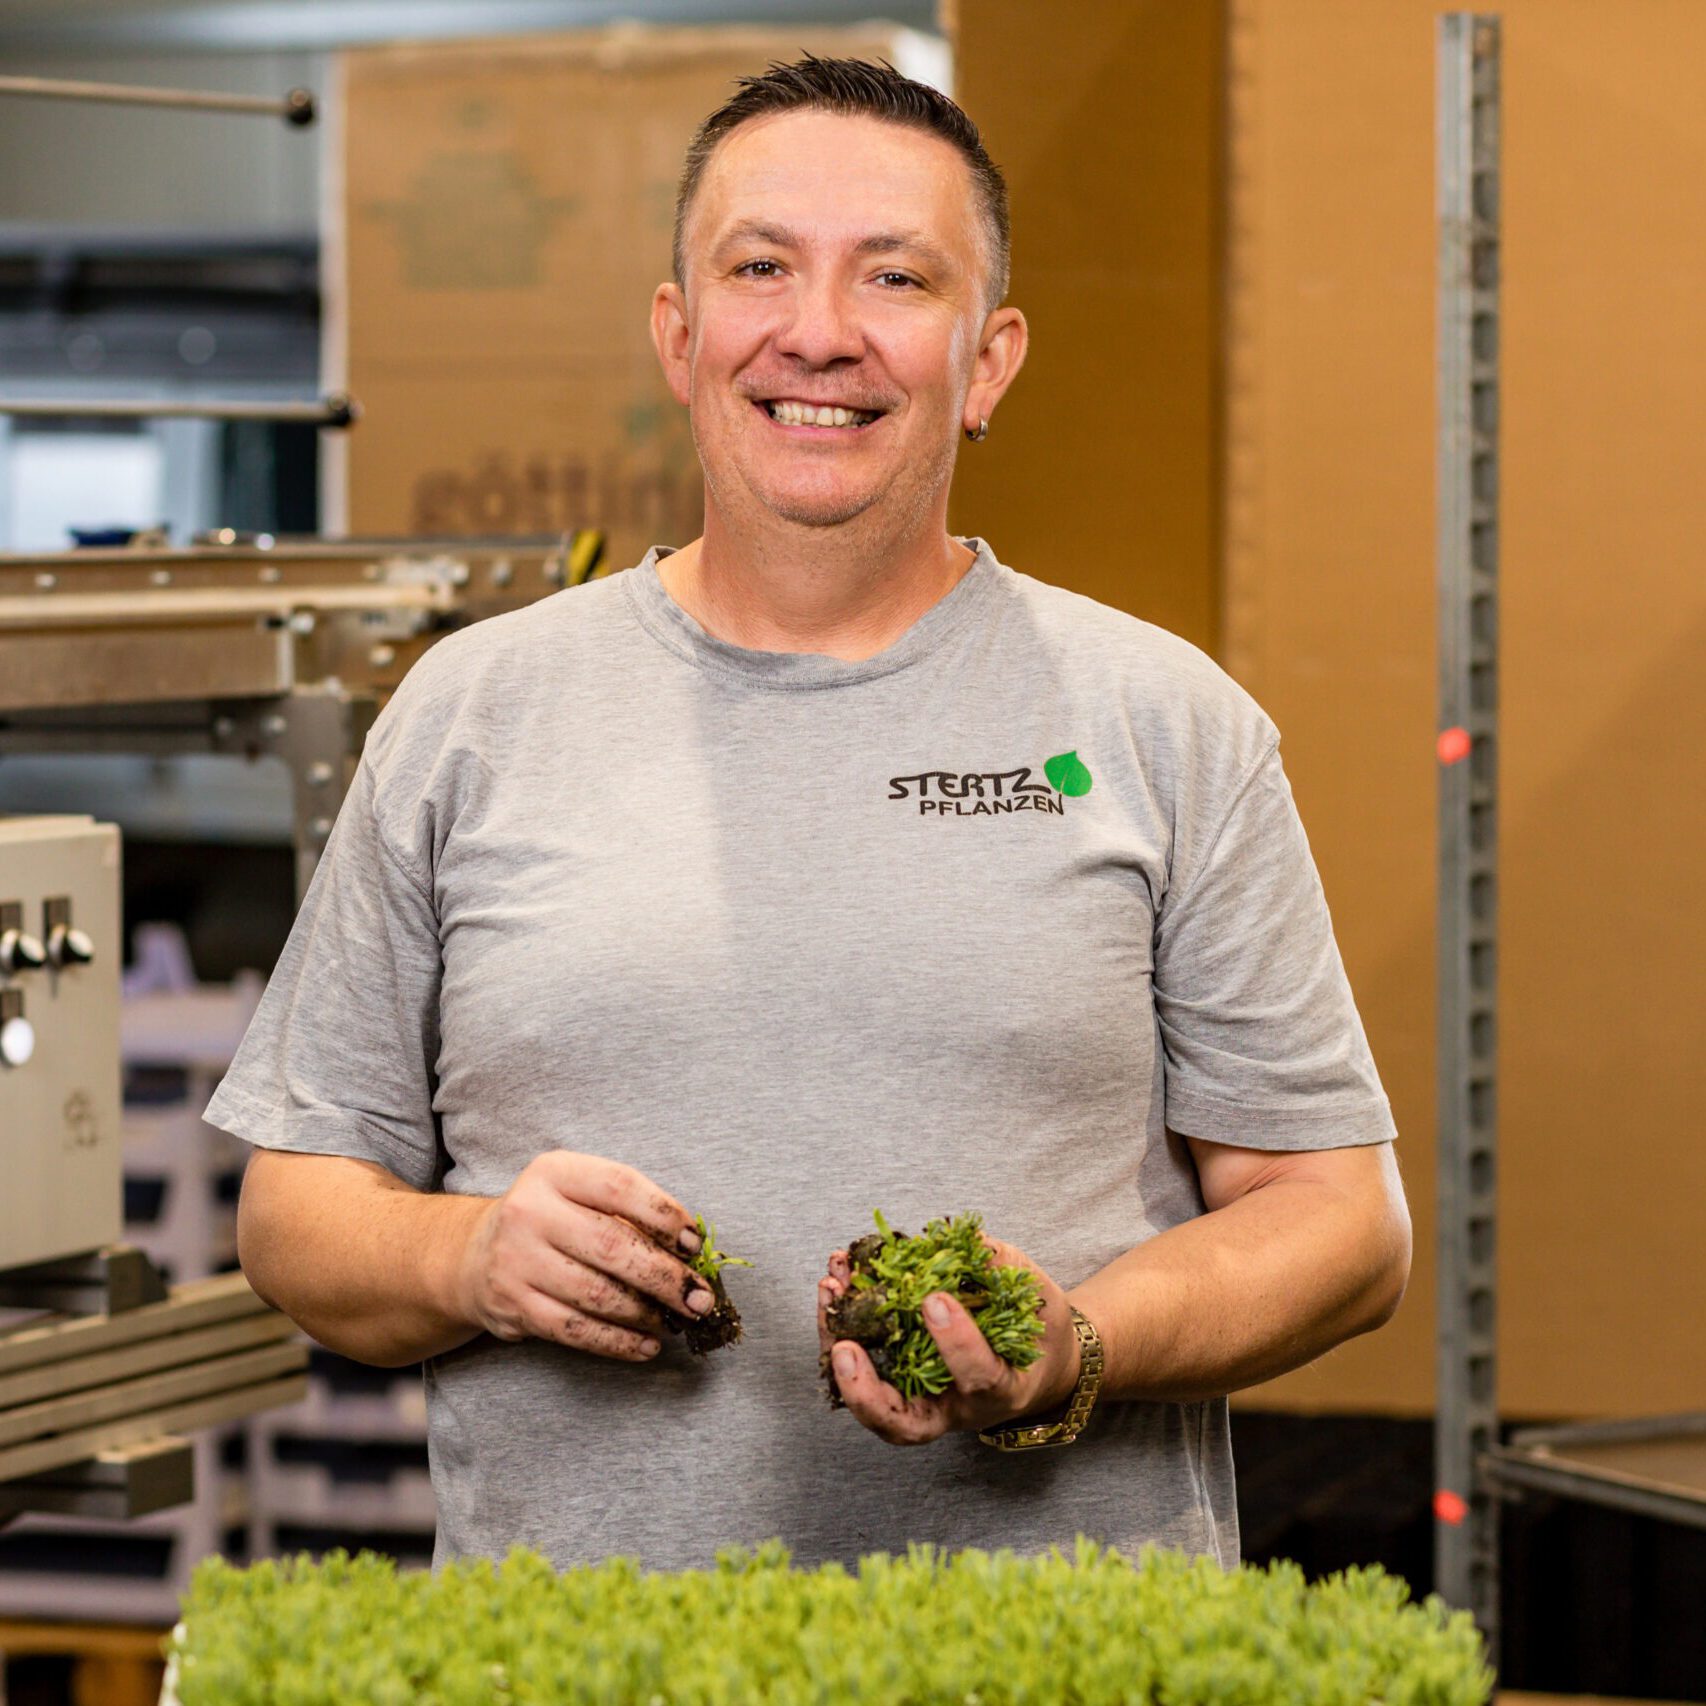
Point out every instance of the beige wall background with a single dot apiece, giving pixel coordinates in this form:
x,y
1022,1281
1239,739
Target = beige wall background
x,y
1322,563
1100,471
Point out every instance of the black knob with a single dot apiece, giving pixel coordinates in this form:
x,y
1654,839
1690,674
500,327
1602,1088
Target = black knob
x,y
19,952
69,946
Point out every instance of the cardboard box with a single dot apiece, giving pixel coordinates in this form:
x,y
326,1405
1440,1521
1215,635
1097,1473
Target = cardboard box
x,y
1102,467
1296,400
500,215
1330,621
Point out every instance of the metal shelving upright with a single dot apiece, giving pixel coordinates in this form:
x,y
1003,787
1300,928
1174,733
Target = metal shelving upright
x,y
1466,1411
1651,1466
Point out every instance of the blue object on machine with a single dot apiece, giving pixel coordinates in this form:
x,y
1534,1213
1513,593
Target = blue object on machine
x,y
92,536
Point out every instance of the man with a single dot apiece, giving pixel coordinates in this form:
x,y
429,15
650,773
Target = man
x,y
821,865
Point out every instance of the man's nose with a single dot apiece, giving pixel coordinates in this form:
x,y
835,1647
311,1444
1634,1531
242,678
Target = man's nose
x,y
823,325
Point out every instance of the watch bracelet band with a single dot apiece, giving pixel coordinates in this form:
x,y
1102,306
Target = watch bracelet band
x,y
1028,1436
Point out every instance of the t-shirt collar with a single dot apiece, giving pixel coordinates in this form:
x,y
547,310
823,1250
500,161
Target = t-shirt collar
x,y
668,623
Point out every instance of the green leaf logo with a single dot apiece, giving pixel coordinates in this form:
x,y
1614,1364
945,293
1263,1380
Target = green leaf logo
x,y
1068,773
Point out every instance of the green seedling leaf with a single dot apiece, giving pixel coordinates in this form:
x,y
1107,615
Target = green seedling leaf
x,y
709,1260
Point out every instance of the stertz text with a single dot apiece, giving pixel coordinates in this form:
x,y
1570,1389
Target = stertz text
x,y
988,792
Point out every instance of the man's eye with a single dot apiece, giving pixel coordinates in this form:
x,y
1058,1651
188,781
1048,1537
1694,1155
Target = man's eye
x,y
745,264
903,277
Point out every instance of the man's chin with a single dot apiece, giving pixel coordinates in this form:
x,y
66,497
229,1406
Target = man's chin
x,y
820,498
824,509
818,515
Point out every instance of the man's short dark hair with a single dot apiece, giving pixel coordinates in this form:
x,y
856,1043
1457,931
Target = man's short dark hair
x,y
854,87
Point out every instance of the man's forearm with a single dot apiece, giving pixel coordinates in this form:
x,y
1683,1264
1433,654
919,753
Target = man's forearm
x,y
359,1261
1244,1293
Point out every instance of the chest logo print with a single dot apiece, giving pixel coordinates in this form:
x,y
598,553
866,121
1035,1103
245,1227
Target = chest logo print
x,y
994,793
1069,773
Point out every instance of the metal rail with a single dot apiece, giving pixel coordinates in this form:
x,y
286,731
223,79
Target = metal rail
x,y
296,109
78,1388
1466,1415
336,410
1651,1465
284,651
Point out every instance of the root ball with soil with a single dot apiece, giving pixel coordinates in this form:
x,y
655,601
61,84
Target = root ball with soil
x,y
890,1275
720,1325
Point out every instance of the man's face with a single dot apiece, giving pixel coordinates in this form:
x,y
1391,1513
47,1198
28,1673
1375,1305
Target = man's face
x,y
831,262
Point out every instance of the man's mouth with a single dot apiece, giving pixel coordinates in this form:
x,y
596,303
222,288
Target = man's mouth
x,y
790,411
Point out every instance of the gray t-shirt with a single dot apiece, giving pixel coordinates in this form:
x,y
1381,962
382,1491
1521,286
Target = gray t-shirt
x,y
965,925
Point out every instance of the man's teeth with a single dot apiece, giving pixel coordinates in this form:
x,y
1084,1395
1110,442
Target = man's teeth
x,y
807,414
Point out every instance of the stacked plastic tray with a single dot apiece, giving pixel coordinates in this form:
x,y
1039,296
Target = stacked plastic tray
x,y
83,1569
346,1467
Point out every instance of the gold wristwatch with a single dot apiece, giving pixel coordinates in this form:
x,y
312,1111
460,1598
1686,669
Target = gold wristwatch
x,y
1027,1436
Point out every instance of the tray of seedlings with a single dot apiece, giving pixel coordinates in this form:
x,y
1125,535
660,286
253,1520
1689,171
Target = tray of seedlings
x,y
1083,1625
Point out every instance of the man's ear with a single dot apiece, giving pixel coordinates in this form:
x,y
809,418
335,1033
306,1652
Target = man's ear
x,y
1000,355
670,338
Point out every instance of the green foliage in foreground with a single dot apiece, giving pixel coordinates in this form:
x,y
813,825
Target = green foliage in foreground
x,y
890,1277
972,1628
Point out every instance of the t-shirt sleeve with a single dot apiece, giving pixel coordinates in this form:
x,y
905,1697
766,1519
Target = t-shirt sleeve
x,y
340,1056
1262,1043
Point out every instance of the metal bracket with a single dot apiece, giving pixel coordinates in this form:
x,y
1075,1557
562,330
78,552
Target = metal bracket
x,y
99,1282
319,735
1652,1465
117,1485
318,732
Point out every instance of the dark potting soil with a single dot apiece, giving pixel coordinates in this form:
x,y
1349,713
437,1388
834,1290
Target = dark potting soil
x,y
710,1332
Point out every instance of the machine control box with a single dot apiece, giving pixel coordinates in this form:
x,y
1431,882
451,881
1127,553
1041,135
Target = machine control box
x,y
61,952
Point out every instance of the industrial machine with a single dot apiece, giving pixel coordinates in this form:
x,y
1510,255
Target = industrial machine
x,y
248,647
245,647
252,648
104,1365
59,1073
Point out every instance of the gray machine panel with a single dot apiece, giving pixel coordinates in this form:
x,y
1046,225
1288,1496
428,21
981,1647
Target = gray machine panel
x,y
61,1179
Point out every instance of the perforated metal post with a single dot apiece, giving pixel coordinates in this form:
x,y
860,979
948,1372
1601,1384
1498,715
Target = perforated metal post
x,y
1466,1550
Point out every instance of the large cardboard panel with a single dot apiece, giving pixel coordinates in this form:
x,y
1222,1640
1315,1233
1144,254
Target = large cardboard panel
x,y
1329,620
502,215
1101,469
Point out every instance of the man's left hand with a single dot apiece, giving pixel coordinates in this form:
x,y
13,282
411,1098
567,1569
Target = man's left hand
x,y
987,1392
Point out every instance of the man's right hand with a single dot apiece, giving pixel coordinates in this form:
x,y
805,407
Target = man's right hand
x,y
578,1251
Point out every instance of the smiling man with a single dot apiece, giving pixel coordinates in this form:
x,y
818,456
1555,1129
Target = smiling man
x,y
823,864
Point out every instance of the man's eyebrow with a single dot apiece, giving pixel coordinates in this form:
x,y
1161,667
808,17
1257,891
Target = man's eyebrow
x,y
912,242
878,243
759,231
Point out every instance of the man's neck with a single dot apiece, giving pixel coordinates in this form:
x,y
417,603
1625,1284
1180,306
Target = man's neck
x,y
838,591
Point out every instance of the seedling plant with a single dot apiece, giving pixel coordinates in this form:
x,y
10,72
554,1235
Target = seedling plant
x,y
883,1306
720,1326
